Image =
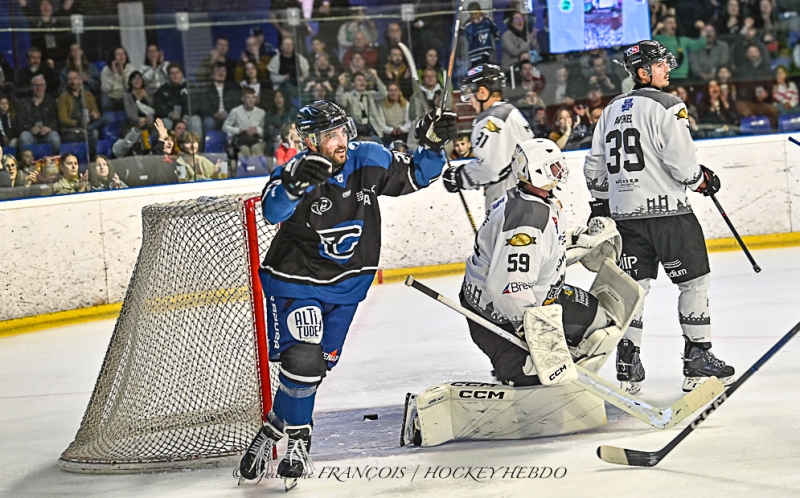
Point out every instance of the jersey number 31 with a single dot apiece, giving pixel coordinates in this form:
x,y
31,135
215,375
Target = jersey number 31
x,y
628,140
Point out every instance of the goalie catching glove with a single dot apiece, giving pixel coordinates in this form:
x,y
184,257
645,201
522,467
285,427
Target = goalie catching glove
x,y
433,130
594,243
305,171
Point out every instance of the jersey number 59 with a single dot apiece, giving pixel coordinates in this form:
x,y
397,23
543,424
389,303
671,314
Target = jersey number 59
x,y
628,140
519,262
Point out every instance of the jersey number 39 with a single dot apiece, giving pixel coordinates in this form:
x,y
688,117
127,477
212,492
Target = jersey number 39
x,y
628,140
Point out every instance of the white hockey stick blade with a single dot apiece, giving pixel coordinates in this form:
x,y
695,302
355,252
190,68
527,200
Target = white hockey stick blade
x,y
544,333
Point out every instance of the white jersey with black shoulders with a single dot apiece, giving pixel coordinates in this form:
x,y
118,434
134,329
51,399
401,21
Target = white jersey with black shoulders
x,y
520,257
643,157
495,134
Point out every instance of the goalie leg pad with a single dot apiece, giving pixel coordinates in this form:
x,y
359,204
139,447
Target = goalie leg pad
x,y
481,411
544,333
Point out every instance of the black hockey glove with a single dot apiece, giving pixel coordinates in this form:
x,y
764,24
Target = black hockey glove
x,y
599,207
712,182
433,132
452,179
304,172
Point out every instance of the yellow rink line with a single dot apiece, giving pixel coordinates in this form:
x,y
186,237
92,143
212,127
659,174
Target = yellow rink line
x,y
108,311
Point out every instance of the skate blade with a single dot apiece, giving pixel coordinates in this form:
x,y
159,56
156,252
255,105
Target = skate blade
x,y
630,387
289,483
691,383
241,480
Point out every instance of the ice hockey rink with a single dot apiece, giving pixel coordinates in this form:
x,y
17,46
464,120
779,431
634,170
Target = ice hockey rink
x,y
402,341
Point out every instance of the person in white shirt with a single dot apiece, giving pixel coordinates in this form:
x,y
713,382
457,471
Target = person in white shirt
x,y
244,125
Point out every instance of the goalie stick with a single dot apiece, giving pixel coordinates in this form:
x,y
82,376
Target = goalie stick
x,y
661,418
622,456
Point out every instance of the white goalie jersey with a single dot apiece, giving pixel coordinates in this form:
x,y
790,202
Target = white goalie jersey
x,y
520,257
495,134
643,156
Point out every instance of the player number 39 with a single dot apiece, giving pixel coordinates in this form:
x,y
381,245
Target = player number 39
x,y
628,140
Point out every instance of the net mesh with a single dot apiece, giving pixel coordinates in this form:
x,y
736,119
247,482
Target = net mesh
x,y
179,386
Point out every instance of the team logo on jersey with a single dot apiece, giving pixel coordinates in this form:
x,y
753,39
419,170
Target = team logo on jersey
x,y
491,127
627,105
320,206
305,324
521,239
339,243
353,145
682,114
514,287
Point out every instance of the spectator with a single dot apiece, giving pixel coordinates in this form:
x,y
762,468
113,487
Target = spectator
x,y
609,83
35,68
131,142
394,108
357,65
218,100
329,29
362,105
739,58
38,117
5,179
278,114
264,47
462,147
27,166
70,181
393,36
530,79
319,46
431,90
16,177
252,53
683,94
725,80
154,71
361,46
103,177
322,92
594,117
396,71
431,28
480,32
191,165
8,76
784,92
359,23
219,55
703,63
756,67
113,80
568,130
594,100
517,42
731,21
54,42
717,109
322,72
171,101
89,74
244,126
165,146
289,146
530,103
288,70
694,15
679,46
764,20
564,92
138,102
78,114
659,9
9,131
432,62
263,89
278,18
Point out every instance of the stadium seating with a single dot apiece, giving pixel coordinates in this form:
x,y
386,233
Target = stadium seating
x,y
104,147
80,150
755,125
216,141
40,150
789,122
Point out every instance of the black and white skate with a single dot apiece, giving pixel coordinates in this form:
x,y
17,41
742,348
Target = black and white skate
x,y
296,464
258,460
630,371
699,363
410,433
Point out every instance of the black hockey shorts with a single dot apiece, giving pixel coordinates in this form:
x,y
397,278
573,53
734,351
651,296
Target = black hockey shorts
x,y
508,360
677,242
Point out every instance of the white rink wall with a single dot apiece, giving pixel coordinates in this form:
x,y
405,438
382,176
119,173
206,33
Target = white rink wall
x,y
68,252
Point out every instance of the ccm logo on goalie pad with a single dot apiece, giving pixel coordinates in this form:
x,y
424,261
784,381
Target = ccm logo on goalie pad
x,y
481,394
339,243
561,369
305,324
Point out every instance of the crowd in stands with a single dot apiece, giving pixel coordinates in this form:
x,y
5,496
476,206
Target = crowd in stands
x,y
737,60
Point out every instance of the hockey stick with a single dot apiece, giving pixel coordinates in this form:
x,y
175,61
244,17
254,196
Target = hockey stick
x,y
412,66
756,268
622,456
448,79
661,418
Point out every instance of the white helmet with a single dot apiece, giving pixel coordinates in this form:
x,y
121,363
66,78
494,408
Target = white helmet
x,y
539,162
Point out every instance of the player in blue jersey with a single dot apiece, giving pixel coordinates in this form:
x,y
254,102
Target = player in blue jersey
x,y
323,259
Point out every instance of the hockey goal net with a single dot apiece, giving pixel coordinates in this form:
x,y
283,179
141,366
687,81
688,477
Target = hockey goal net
x,y
185,382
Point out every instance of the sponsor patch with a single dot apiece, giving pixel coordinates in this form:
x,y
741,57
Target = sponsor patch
x,y
305,324
521,239
682,114
332,357
321,205
514,287
491,127
632,50
475,70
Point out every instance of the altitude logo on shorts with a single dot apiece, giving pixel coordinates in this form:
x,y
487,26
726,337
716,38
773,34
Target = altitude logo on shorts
x,y
305,324
339,243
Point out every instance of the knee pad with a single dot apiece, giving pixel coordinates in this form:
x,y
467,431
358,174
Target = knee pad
x,y
304,364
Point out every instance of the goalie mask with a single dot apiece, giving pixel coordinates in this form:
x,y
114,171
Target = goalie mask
x,y
539,162
321,116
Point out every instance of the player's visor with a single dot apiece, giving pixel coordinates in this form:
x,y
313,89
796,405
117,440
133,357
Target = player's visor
x,y
467,91
350,129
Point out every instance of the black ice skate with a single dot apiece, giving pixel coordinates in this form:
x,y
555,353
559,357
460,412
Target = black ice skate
x,y
700,363
296,463
630,371
410,432
258,460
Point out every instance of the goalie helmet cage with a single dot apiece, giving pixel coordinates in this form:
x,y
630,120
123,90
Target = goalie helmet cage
x,y
185,382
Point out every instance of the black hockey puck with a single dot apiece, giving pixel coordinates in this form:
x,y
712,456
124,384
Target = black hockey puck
x,y
371,416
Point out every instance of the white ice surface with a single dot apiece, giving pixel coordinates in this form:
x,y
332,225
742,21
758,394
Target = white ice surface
x,y
402,341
